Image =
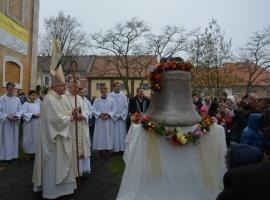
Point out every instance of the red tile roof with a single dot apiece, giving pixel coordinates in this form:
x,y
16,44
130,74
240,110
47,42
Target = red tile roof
x,y
106,66
233,74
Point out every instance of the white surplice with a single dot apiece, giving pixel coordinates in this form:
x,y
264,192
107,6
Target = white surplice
x,y
10,129
89,107
53,168
84,142
103,133
119,123
30,126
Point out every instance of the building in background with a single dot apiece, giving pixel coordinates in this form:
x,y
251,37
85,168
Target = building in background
x,y
84,65
104,73
233,79
93,73
19,43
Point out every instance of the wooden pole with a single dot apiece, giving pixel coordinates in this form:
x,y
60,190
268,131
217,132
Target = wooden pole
x,y
74,66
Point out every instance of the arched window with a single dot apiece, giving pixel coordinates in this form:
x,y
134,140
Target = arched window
x,y
12,71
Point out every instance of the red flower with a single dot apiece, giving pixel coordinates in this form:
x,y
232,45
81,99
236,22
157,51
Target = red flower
x,y
145,118
174,140
160,66
158,76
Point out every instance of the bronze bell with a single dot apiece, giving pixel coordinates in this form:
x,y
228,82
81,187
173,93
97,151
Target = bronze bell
x,y
172,106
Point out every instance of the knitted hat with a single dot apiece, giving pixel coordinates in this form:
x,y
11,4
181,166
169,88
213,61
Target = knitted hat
x,y
243,154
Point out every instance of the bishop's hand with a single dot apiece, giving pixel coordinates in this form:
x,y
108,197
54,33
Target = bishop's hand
x,y
75,112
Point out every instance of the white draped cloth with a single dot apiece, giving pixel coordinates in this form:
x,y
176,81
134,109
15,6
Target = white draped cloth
x,y
103,133
157,170
53,168
84,142
9,135
30,126
119,123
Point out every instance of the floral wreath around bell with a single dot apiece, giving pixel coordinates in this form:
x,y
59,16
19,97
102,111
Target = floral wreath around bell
x,y
154,76
175,136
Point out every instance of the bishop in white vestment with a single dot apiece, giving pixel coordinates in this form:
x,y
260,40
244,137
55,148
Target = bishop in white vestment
x,y
119,118
53,168
10,114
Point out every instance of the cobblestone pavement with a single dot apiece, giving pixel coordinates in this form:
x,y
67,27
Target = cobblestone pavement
x,y
101,184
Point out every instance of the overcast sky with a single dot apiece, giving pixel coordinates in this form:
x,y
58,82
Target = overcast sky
x,y
239,18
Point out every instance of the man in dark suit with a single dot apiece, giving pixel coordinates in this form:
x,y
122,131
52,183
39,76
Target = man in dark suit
x,y
139,103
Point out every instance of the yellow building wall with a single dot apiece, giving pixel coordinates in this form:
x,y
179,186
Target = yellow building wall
x,y
94,91
147,93
24,59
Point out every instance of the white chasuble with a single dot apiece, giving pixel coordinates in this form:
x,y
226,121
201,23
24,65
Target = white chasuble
x,y
53,168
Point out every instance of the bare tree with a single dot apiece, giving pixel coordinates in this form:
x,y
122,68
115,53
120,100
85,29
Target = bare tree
x,y
255,56
170,42
124,49
208,51
68,31
196,52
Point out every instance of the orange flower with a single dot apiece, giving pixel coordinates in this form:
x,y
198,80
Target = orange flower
x,y
173,64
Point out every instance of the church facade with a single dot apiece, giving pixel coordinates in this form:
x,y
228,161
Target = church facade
x,y
19,43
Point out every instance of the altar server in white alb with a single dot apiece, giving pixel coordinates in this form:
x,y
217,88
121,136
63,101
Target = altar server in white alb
x,y
31,112
87,103
10,114
103,111
119,118
53,168
84,143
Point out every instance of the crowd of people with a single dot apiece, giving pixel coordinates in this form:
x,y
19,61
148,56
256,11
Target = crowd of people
x,y
246,121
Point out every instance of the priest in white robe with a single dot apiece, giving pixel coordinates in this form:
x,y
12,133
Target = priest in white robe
x,y
103,111
10,114
31,112
119,118
53,168
84,143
